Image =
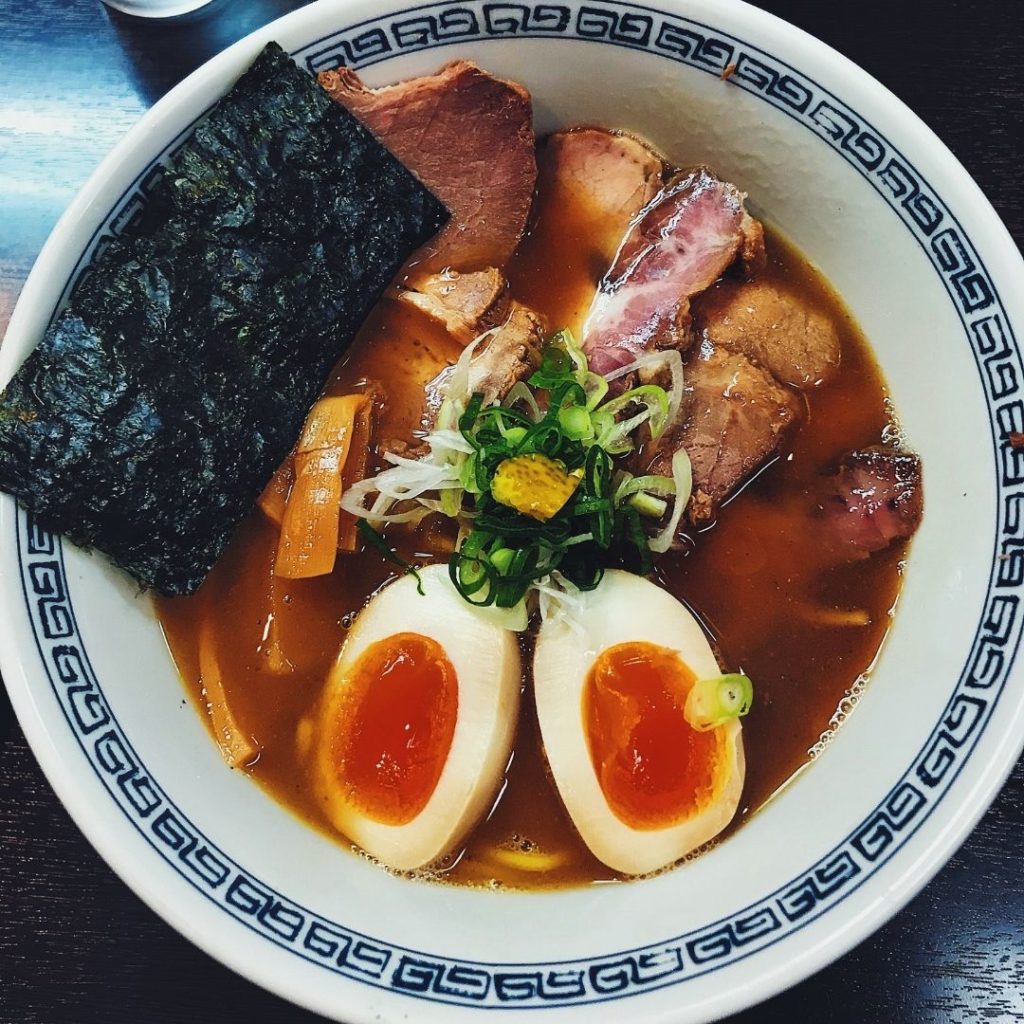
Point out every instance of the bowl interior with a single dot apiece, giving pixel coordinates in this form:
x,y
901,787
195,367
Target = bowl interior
x,y
780,135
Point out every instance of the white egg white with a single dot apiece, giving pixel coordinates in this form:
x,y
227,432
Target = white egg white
x,y
623,609
487,666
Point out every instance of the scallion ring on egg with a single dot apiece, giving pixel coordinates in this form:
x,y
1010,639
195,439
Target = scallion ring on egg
x,y
713,702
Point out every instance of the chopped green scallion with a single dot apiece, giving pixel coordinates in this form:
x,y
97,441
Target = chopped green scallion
x,y
575,423
377,540
648,505
718,700
502,559
571,417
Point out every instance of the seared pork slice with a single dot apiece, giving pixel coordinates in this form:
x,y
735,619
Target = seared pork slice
x,y
873,499
735,417
678,248
610,176
773,327
469,137
464,304
510,355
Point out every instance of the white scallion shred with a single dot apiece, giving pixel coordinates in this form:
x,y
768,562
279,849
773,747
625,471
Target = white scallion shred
x,y
439,471
559,600
448,440
456,381
682,477
520,393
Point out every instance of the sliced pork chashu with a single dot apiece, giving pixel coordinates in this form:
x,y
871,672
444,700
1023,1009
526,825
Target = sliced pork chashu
x,y
469,137
735,417
873,499
756,343
682,244
510,354
468,305
772,327
610,177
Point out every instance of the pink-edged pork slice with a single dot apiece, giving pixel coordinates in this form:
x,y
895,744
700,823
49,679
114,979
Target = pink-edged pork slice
x,y
469,138
680,245
872,500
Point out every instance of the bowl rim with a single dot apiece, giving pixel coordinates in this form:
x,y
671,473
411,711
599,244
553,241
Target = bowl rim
x,y
137,874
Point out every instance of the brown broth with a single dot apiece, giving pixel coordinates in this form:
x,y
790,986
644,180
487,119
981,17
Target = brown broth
x,y
757,580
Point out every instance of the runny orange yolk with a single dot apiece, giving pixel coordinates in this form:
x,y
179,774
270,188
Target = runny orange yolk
x,y
653,768
394,725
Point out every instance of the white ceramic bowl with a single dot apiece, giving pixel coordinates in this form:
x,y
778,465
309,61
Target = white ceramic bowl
x,y
845,170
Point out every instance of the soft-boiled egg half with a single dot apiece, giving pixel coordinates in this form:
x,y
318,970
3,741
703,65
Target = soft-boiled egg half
x,y
642,786
415,725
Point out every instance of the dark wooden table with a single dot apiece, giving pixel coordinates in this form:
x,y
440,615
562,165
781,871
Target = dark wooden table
x,y
76,946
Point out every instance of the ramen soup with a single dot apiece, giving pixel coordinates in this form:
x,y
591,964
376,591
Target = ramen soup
x,y
588,547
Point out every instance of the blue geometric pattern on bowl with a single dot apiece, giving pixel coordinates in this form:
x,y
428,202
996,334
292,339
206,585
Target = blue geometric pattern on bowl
x,y
813,892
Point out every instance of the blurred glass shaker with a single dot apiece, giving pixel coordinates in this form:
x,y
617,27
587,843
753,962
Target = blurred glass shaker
x,y
156,8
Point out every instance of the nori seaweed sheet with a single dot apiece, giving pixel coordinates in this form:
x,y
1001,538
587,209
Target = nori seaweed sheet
x,y
160,402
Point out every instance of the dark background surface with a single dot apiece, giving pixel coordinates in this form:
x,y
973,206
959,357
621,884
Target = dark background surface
x,y
76,946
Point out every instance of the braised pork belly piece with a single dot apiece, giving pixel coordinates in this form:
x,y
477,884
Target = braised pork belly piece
x,y
464,304
468,306
509,355
758,346
469,138
771,327
753,254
